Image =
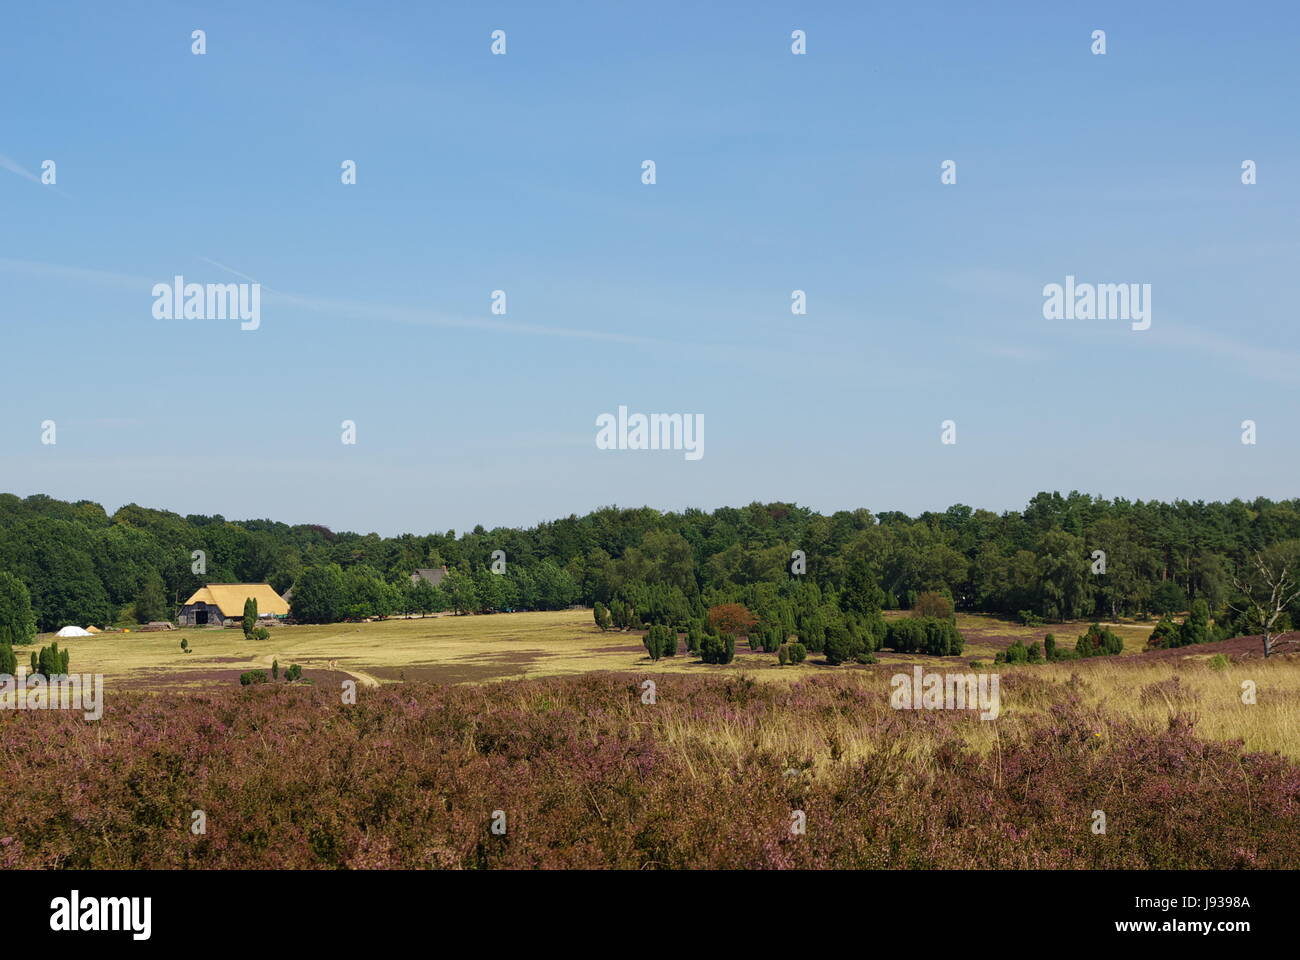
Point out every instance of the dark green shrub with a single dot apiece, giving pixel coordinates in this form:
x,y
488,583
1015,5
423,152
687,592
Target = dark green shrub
x,y
651,642
1196,628
840,644
253,677
1164,635
51,661
932,635
718,648
1099,641
694,636
812,630
906,635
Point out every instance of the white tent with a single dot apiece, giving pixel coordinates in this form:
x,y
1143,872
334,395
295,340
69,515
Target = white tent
x,y
73,632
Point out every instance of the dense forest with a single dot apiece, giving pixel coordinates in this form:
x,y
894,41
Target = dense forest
x,y
82,566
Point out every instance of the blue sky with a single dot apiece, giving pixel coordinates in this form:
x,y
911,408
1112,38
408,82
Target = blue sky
x,y
523,173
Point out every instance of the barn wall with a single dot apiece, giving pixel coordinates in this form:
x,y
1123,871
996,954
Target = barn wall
x,y
187,618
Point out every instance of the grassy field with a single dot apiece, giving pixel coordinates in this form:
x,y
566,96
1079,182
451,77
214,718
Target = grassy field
x,y
478,649
451,649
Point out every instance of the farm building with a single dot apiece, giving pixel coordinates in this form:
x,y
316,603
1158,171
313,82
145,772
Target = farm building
x,y
220,602
433,574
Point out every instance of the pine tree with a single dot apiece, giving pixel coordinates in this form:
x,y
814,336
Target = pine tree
x,y
250,616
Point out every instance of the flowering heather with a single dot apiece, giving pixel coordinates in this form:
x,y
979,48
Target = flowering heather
x,y
590,777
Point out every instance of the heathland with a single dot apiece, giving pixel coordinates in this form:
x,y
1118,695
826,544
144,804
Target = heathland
x,y
1140,722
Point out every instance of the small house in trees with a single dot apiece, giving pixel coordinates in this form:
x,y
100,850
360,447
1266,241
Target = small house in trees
x,y
219,603
433,575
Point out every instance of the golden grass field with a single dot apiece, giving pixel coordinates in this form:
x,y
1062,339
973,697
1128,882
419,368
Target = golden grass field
x,y
518,645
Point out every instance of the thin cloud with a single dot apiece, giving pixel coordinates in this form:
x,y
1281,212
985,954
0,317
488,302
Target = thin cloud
x,y
13,166
416,317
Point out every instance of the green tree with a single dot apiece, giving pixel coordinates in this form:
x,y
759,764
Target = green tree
x,y
17,621
1064,575
151,601
1168,598
318,595
365,594
51,557
250,616
458,588
1196,628
427,598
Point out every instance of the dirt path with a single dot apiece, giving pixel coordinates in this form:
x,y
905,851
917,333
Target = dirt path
x,y
365,679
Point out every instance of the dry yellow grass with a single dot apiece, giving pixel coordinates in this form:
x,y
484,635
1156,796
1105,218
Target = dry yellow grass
x,y
450,649
504,646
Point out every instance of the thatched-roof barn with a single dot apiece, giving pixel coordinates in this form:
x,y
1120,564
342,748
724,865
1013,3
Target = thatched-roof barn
x,y
220,602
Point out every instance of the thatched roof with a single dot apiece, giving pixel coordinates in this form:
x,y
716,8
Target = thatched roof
x,y
229,599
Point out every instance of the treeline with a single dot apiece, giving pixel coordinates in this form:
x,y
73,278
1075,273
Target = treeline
x,y
81,565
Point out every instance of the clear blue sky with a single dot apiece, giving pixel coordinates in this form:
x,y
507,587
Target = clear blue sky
x,y
775,172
